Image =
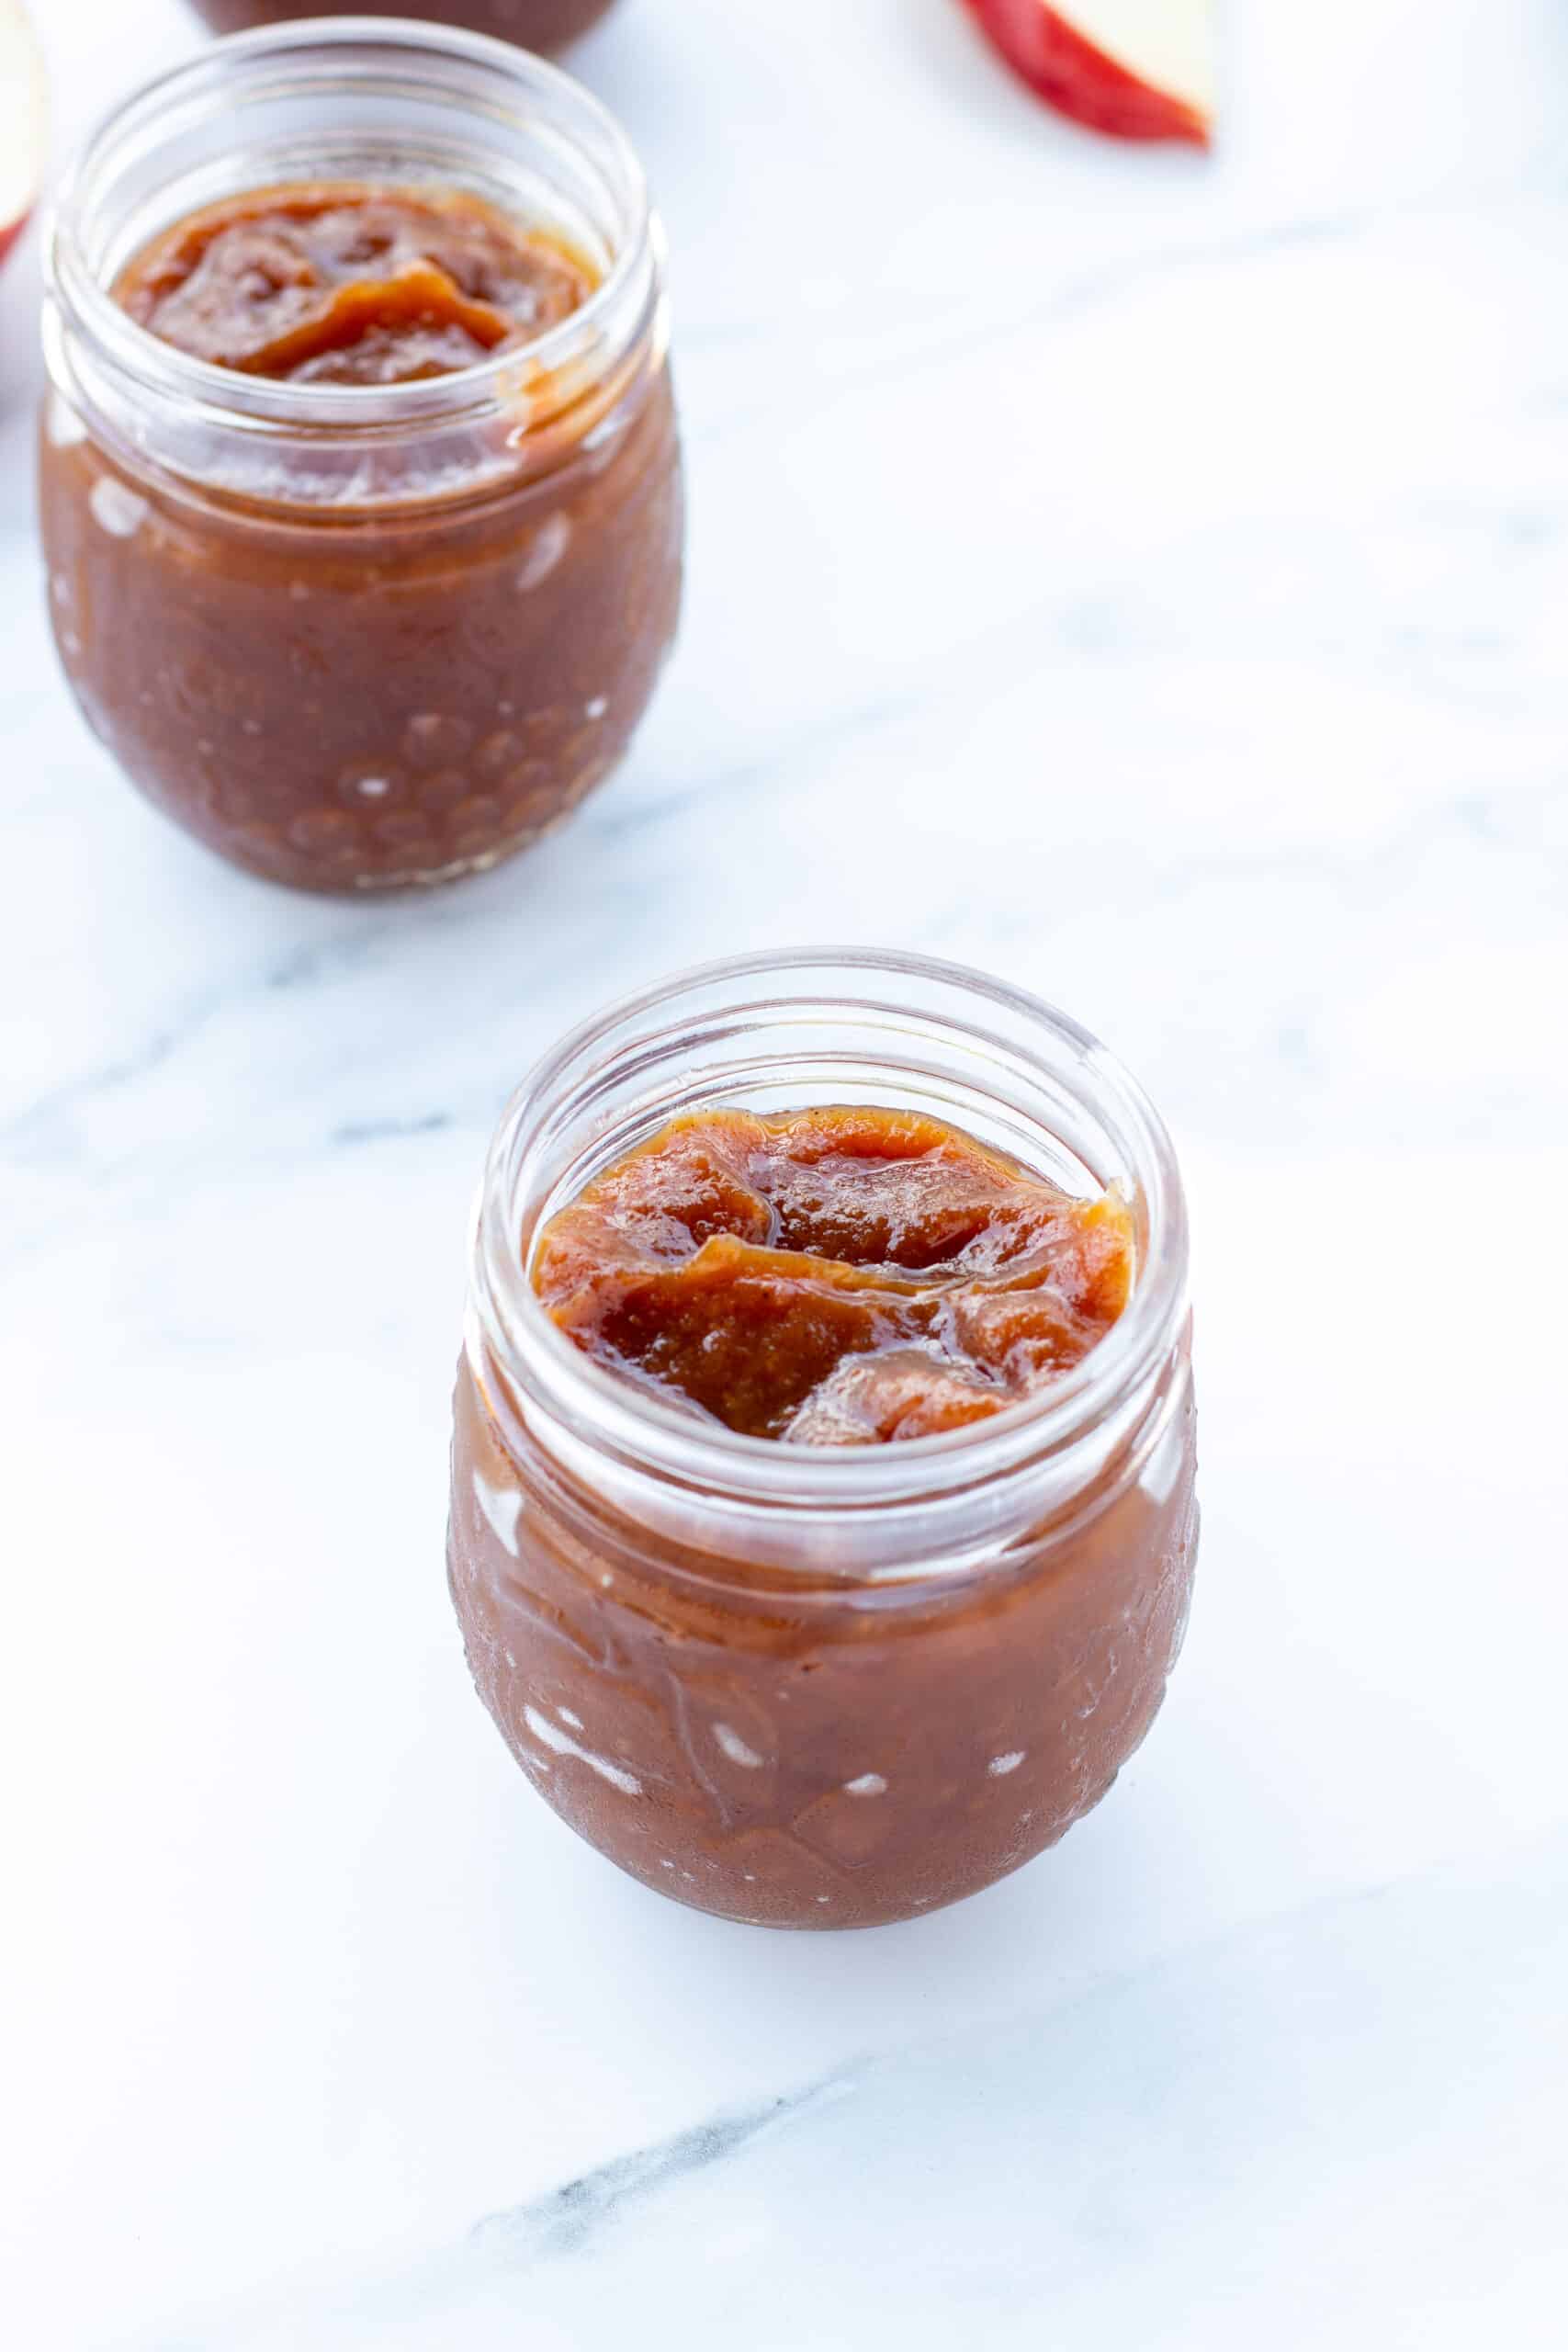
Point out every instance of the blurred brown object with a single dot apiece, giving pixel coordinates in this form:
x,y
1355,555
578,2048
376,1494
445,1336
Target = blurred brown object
x,y
544,25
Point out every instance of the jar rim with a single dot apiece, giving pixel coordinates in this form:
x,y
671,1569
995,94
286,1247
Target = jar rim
x,y
347,411
651,1434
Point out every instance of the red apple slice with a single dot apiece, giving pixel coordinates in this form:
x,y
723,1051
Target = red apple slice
x,y
21,122
1139,69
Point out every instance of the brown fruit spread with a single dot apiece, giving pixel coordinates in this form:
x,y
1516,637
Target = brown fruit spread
x,y
536,24
376,686
834,1277
784,1738
349,285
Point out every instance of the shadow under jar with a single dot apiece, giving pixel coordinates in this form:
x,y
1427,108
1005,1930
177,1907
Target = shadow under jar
x,y
357,635
823,1687
545,25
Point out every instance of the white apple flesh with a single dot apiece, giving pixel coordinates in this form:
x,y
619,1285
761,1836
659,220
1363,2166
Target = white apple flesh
x,y
1139,69
21,122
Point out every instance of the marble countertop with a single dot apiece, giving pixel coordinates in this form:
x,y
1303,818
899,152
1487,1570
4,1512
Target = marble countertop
x,y
1143,576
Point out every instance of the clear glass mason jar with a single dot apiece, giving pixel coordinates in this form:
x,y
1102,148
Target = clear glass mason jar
x,y
546,25
356,636
822,1687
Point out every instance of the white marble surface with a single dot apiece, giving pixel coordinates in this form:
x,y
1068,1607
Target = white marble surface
x,y
1145,577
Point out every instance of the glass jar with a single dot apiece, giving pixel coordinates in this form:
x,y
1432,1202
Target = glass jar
x,y
356,636
537,24
818,1687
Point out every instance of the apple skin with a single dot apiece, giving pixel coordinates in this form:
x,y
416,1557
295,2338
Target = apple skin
x,y
1080,80
11,231
22,109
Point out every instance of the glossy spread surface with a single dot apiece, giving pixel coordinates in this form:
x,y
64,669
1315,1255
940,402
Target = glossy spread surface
x,y
835,1276
350,283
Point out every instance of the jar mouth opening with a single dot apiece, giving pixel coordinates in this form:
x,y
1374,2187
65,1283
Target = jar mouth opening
x,y
462,71
575,1080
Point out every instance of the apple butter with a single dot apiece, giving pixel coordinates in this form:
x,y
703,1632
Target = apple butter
x,y
833,1277
365,549
823,1518
350,285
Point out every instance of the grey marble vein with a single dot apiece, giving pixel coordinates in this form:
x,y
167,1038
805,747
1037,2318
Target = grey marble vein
x,y
354,1132
30,1121
1172,2141
568,2220
927,343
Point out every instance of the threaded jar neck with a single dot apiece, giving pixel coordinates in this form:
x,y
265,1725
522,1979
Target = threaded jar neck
x,y
356,100
786,1032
